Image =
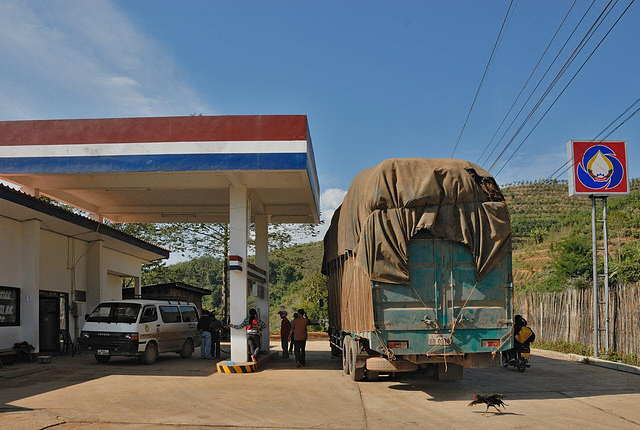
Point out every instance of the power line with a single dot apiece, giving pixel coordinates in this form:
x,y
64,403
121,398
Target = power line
x,y
542,79
598,135
528,79
486,69
570,162
566,86
594,27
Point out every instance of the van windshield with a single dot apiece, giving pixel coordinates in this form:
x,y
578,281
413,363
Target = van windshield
x,y
115,313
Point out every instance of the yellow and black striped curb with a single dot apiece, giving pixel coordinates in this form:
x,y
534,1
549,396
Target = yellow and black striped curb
x,y
223,367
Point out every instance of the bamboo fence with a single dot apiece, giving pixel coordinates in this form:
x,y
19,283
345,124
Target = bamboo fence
x,y
568,316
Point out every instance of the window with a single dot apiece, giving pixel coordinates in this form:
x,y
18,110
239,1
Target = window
x,y
115,313
189,314
149,314
170,314
9,306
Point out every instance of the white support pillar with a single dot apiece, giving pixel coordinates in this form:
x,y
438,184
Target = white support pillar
x,y
137,288
30,302
238,238
97,287
262,261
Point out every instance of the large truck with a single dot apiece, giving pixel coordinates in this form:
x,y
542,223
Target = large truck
x,y
418,258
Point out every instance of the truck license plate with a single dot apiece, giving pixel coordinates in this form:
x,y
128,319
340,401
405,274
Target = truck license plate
x,y
439,339
102,351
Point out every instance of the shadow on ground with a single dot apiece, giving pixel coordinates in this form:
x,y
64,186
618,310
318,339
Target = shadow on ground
x,y
546,379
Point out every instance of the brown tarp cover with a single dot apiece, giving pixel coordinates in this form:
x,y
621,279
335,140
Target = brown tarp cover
x,y
389,203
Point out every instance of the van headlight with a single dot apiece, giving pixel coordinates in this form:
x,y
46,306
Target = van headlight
x,y
130,336
84,334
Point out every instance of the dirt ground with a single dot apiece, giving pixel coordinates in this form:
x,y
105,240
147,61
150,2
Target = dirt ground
x,y
78,393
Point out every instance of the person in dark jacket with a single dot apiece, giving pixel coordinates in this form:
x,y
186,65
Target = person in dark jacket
x,y
216,335
285,331
204,327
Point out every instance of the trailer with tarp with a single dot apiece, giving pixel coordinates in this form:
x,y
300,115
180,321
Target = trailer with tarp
x,y
418,258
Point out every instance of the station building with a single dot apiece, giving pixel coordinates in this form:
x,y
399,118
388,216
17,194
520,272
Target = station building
x,y
56,265
240,170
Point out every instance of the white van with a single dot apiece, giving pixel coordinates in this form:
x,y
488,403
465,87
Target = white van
x,y
142,328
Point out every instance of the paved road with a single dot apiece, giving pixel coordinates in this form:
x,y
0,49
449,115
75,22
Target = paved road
x,y
77,393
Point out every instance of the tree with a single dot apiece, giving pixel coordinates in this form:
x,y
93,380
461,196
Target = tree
x,y
209,239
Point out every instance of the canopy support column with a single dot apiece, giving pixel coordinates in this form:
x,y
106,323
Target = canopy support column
x,y
238,237
262,261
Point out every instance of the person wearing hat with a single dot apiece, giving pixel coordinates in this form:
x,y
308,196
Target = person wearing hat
x,y
285,330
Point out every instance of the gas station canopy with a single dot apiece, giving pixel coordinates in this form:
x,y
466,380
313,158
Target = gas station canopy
x,y
167,169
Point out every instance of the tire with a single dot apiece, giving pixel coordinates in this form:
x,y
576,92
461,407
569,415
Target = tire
x,y
187,349
346,352
150,354
522,367
104,359
357,373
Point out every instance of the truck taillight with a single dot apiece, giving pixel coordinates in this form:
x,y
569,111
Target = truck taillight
x,y
398,344
490,343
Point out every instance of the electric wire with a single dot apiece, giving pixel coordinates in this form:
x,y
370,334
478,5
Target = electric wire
x,y
572,57
598,135
528,79
484,75
567,85
569,164
576,27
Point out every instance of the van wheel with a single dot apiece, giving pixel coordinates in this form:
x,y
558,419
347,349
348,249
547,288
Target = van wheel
x,y
187,349
150,354
102,358
346,348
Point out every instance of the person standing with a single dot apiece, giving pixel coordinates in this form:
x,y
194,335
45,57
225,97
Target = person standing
x,y
285,330
216,334
300,337
254,327
204,327
290,338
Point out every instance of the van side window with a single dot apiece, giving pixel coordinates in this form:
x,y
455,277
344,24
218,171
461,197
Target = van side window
x,y
170,314
149,314
189,314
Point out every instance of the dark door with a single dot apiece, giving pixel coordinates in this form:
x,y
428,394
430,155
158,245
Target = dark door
x,y
49,323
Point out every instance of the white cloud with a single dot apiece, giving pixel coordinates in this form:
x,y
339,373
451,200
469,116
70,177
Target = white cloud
x,y
84,59
330,199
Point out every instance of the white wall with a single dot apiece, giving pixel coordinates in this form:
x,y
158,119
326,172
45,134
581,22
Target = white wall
x,y
10,271
34,259
114,287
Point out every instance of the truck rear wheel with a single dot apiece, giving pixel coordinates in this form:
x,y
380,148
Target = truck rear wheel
x,y
346,352
357,373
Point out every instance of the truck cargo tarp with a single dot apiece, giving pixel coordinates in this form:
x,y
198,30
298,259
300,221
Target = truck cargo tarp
x,y
389,203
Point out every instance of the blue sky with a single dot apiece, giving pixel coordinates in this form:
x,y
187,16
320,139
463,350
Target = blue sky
x,y
376,79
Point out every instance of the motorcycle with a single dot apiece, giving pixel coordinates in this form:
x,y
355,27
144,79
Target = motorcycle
x,y
518,358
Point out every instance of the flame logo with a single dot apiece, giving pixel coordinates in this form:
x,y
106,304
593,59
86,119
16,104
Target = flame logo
x,y
600,169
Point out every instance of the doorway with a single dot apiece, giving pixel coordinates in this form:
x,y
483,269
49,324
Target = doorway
x,y
53,317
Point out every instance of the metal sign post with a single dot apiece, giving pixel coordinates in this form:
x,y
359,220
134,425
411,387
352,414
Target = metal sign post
x,y
605,275
599,169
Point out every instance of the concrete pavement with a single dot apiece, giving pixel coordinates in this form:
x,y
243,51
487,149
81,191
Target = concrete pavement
x,y
77,393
